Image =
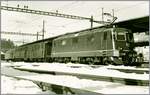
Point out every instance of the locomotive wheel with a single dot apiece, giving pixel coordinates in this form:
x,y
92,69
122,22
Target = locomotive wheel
x,y
91,63
105,61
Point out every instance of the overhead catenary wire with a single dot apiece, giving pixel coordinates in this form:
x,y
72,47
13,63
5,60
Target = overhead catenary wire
x,y
121,9
48,13
66,16
19,33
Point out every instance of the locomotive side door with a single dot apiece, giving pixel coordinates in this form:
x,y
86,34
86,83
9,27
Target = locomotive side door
x,y
106,43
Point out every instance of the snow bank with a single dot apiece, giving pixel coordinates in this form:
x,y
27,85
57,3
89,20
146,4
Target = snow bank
x,y
13,86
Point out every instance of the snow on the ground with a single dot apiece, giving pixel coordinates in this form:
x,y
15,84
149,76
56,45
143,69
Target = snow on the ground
x,y
85,69
11,85
126,90
89,85
14,86
4,63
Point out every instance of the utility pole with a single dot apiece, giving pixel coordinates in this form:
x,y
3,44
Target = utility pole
x,y
43,29
37,36
43,39
113,13
23,42
102,16
91,21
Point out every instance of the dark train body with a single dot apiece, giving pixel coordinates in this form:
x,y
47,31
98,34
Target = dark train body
x,y
101,45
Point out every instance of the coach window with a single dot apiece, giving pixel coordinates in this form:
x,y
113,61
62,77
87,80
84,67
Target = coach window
x,y
75,40
54,44
63,42
90,38
105,35
37,46
76,34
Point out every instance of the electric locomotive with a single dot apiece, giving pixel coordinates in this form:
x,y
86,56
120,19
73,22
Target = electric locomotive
x,y
95,46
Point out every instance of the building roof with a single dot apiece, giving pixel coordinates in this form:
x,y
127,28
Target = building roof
x,y
140,24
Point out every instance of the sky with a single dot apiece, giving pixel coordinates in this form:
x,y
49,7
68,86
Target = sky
x,y
32,23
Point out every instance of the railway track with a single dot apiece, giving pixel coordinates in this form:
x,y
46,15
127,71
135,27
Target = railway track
x,y
126,69
132,70
64,85
125,79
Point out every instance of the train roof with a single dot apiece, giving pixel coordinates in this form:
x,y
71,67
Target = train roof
x,y
43,40
51,38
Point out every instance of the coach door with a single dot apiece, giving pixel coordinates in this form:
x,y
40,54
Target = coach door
x,y
48,49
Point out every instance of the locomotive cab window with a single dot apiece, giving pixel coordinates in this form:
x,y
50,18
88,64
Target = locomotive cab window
x,y
120,36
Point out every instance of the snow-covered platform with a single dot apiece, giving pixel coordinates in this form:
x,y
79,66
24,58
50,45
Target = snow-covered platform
x,y
101,73
73,85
